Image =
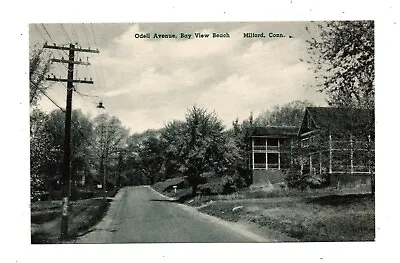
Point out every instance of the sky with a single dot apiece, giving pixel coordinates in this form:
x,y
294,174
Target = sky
x,y
148,82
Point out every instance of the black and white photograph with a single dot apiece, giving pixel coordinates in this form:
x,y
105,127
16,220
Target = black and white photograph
x,y
202,132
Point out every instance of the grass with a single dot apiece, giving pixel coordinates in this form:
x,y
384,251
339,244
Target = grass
x,y
327,218
81,194
167,184
46,219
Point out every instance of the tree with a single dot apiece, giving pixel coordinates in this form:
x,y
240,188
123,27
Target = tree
x,y
39,66
151,159
172,142
109,139
290,114
241,132
43,153
81,133
343,59
206,146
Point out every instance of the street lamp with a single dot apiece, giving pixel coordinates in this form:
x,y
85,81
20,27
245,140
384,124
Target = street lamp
x,y
100,106
102,157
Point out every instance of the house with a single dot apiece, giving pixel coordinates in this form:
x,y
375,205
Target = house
x,y
338,142
271,151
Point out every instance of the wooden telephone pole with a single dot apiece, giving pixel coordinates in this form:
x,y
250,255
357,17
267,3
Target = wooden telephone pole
x,y
66,179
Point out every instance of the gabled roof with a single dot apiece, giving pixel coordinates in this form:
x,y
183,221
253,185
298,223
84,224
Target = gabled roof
x,y
339,119
285,131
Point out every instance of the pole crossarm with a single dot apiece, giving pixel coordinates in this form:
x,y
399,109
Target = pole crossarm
x,y
69,61
88,50
68,80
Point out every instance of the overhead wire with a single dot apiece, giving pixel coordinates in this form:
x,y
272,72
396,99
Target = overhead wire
x,y
75,35
81,95
65,33
103,79
58,64
76,38
57,91
63,110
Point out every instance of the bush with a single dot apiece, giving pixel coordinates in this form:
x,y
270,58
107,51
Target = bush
x,y
244,177
229,185
294,179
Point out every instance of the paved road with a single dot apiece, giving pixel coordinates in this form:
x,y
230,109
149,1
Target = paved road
x,y
139,214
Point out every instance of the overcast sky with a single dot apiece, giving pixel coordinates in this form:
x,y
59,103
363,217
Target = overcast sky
x,y
148,82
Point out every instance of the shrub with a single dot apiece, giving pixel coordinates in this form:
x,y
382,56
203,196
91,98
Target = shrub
x,y
294,179
229,185
245,177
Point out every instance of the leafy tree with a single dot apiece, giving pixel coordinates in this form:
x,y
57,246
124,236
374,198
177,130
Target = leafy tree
x,y
290,114
241,132
206,146
151,159
43,152
343,59
39,66
81,133
109,140
172,142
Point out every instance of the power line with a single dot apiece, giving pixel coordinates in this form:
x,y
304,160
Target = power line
x,y
87,39
47,96
40,32
94,35
60,67
63,65
51,39
48,33
74,33
65,33
100,63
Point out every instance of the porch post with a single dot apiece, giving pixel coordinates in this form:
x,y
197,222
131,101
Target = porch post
x,y
279,156
291,152
369,154
252,153
351,154
330,152
320,162
266,153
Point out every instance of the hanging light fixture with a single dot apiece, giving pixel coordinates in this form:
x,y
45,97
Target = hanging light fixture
x,y
100,106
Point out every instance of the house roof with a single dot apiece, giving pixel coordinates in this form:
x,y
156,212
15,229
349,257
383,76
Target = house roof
x,y
341,119
275,131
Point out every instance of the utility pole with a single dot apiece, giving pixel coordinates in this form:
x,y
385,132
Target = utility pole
x,y
66,179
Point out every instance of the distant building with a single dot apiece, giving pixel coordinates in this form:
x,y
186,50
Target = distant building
x,y
337,143
271,150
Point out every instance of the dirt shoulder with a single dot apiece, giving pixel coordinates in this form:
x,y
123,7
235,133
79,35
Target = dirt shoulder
x,y
325,218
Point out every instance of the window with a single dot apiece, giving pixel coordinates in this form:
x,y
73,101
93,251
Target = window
x,y
273,160
259,141
272,141
259,158
259,161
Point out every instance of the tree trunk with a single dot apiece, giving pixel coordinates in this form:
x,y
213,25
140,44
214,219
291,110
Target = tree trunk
x,y
194,190
373,183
